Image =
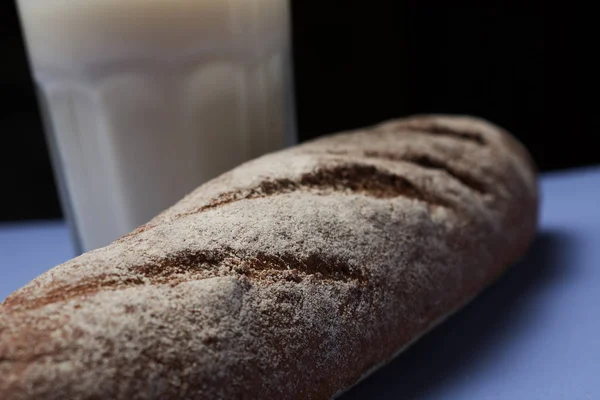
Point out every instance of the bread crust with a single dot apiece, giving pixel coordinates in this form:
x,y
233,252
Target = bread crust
x,y
290,276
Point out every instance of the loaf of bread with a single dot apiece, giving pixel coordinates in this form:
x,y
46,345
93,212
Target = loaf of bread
x,y
292,276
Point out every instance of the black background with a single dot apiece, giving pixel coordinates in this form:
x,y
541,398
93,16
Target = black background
x,y
527,66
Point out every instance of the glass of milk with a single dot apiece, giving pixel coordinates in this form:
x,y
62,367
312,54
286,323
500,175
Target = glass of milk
x,y
144,100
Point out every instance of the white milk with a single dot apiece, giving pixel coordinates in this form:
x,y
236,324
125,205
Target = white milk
x,y
147,99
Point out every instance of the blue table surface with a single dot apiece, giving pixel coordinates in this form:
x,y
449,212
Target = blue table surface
x,y
535,334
